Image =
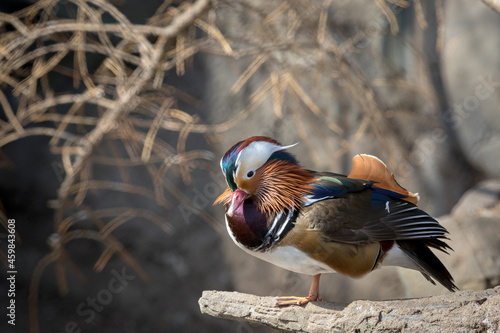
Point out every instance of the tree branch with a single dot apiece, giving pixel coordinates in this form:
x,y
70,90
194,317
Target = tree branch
x,y
463,311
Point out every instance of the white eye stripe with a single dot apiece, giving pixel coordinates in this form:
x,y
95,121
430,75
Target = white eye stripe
x,y
257,153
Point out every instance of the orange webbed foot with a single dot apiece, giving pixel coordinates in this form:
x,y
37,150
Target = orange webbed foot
x,y
295,300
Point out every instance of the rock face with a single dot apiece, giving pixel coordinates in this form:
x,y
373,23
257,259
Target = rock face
x,y
473,89
464,311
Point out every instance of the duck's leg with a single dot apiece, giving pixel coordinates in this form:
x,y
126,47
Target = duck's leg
x,y
294,300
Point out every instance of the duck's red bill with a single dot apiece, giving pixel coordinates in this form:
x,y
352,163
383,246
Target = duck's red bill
x,y
236,201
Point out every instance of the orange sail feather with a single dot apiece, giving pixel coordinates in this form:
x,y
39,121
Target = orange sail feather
x,y
371,168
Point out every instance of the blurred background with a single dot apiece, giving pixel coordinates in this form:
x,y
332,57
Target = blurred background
x,y
115,114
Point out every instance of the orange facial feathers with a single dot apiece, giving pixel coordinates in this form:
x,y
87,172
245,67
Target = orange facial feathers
x,y
282,185
224,198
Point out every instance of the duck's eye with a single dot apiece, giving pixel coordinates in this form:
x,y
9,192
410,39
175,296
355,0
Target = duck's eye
x,y
250,174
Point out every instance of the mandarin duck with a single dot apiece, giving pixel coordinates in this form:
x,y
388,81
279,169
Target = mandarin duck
x,y
321,222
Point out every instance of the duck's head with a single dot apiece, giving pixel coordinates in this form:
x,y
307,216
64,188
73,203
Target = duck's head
x,y
260,168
